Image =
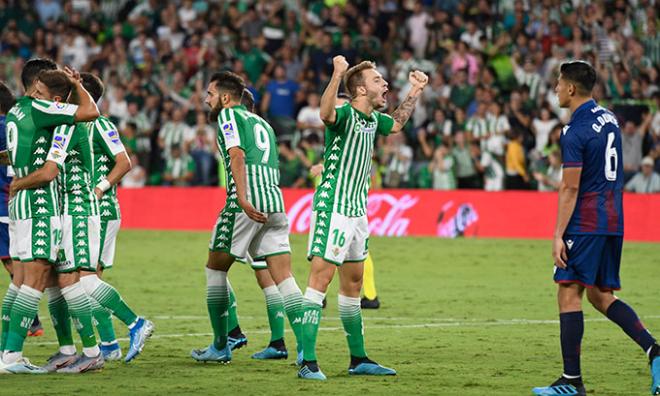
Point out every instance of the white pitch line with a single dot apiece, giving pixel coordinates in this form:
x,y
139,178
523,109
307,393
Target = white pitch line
x,y
449,323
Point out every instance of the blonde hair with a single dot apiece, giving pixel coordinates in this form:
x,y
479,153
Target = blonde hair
x,y
354,78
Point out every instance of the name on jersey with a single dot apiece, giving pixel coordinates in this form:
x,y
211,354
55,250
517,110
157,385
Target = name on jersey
x,y
16,111
605,118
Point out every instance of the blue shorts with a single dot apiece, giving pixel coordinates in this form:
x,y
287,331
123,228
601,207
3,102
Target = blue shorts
x,y
4,241
593,261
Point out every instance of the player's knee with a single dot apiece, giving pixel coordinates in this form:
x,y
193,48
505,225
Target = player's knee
x,y
600,300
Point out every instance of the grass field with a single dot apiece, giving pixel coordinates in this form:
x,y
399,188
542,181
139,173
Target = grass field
x,y
458,317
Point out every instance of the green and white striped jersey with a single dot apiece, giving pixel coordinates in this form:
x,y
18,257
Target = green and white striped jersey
x,y
29,126
237,127
106,145
71,150
349,145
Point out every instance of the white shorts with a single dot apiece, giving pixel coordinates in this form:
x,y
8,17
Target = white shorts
x,y
254,264
36,238
109,231
81,240
238,235
337,238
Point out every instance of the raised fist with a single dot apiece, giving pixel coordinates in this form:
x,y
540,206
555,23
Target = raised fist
x,y
418,79
340,64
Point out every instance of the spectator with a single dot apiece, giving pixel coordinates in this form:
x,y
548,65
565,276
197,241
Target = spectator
x,y
398,160
516,168
179,168
434,134
646,181
173,133
632,139
309,117
417,25
498,130
477,126
489,165
136,177
279,102
466,172
292,170
542,126
462,93
442,168
550,180
201,144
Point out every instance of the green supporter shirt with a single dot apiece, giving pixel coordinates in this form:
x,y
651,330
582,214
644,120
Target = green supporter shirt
x,y
349,146
71,150
106,145
29,129
237,127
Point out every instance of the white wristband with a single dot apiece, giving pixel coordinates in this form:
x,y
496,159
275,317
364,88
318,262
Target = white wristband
x,y
104,185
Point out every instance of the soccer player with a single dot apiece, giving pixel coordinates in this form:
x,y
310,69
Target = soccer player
x,y
253,220
35,228
589,231
339,234
111,163
81,225
276,348
7,101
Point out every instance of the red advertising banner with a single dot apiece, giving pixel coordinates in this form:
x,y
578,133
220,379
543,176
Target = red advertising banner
x,y
507,214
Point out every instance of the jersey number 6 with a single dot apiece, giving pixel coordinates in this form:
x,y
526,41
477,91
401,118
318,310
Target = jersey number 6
x,y
611,158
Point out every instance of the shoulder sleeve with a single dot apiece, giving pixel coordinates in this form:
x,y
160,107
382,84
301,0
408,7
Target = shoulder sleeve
x,y
229,129
49,114
343,113
385,124
107,134
572,148
61,143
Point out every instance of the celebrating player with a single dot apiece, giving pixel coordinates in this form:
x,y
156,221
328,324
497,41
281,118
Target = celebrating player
x,y
253,220
35,225
338,236
589,231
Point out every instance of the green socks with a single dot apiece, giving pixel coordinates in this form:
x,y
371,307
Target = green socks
x,y
7,302
232,318
312,306
59,315
293,305
275,309
103,322
80,310
350,314
217,302
108,297
23,311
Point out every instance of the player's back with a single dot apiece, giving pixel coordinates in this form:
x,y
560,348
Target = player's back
x,y
592,140
257,139
27,145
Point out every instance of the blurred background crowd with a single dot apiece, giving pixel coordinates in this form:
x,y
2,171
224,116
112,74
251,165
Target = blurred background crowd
x,y
488,120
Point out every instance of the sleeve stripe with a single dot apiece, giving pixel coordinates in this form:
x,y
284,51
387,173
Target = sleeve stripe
x,y
572,164
68,109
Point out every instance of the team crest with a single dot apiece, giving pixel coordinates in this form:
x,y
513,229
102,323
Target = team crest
x,y
335,251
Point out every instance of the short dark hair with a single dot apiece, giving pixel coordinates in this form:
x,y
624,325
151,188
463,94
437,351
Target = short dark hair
x,y
7,98
93,85
580,73
32,68
229,82
354,78
57,81
247,100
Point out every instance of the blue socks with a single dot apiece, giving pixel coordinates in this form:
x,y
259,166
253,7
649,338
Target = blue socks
x,y
621,314
571,330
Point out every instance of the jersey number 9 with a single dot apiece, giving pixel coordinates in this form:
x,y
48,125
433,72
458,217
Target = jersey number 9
x,y
262,142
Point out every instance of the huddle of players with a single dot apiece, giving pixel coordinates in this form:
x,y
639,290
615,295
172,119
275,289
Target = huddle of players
x,y
63,221
253,224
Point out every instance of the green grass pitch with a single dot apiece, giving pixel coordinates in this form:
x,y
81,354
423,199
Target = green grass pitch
x,y
458,317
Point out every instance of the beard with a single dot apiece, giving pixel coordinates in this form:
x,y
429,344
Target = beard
x,y
377,100
215,112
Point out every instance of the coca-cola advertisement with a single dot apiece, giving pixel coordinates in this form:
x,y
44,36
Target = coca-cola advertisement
x,y
392,213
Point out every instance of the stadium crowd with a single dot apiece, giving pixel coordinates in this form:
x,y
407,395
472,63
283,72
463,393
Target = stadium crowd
x,y
489,120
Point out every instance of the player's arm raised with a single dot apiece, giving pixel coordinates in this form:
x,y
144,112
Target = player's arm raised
x,y
568,193
328,112
87,110
112,146
418,81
